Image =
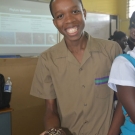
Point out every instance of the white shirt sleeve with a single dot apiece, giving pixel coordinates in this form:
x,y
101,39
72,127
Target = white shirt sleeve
x,y
122,73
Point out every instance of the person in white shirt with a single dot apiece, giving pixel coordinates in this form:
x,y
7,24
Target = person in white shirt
x,y
122,81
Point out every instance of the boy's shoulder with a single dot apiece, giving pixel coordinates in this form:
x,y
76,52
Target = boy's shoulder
x,y
55,51
109,48
104,43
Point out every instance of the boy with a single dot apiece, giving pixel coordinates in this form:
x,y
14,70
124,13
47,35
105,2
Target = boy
x,y
72,76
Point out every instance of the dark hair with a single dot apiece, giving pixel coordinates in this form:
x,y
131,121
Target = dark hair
x,y
117,35
132,21
50,6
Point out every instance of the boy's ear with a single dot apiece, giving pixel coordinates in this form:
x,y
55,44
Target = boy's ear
x,y
84,12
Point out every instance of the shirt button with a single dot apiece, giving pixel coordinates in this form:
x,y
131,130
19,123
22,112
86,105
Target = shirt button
x,y
80,69
83,86
85,104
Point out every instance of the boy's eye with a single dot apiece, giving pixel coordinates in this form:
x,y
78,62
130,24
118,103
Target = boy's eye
x,y
76,11
59,16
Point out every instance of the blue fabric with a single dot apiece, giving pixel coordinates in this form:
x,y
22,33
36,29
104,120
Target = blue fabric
x,y
128,128
128,57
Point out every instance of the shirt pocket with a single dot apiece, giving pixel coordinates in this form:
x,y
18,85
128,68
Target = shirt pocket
x,y
101,88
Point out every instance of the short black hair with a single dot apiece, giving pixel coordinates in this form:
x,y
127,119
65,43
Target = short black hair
x,y
117,35
50,6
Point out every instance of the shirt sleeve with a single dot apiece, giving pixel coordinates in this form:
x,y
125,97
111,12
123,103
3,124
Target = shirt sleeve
x,y
115,50
122,73
42,85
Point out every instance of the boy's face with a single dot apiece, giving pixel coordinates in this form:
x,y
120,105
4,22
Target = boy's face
x,y
123,42
69,18
132,33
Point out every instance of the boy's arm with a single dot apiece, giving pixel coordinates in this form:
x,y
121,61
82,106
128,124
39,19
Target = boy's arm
x,y
51,119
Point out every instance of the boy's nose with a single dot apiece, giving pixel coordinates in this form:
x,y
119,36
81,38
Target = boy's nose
x,y
69,18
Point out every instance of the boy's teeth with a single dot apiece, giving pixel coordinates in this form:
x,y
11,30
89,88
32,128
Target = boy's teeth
x,y
72,30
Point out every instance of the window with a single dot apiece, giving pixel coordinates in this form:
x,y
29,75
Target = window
x,y
130,7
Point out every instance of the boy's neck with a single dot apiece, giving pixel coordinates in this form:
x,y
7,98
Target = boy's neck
x,y
77,46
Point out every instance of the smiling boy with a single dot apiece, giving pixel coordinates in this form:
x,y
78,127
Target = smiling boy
x,y
72,76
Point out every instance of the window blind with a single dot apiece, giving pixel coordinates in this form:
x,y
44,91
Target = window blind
x,y
130,7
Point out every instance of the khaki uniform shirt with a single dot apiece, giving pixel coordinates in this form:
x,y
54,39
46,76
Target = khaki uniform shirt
x,y
83,97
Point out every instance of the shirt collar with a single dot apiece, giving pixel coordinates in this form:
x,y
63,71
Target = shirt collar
x,y
92,46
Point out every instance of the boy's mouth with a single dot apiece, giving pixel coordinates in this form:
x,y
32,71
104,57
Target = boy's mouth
x,y
72,30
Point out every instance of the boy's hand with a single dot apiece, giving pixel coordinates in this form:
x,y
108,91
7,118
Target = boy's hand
x,y
54,131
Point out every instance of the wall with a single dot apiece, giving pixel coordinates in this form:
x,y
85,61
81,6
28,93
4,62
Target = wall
x,y
101,6
124,21
28,111
112,7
